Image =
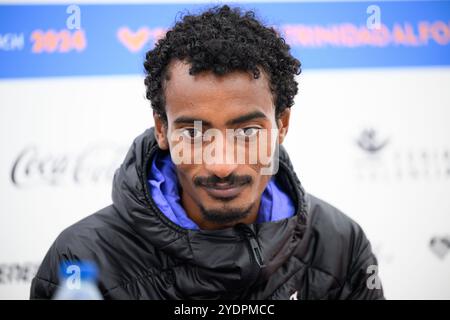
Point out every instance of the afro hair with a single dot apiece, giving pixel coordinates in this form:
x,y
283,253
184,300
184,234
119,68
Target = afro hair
x,y
223,40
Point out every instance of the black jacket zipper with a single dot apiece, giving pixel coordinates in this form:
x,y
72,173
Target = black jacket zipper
x,y
254,245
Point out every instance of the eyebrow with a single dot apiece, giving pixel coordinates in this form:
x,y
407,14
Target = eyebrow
x,y
247,117
244,118
190,120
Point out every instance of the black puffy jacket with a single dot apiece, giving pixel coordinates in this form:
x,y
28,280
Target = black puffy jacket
x,y
319,253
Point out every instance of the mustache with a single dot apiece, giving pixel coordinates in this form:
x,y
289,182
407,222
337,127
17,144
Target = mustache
x,y
212,181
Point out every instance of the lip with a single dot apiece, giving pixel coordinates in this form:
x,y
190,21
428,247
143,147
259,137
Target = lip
x,y
224,191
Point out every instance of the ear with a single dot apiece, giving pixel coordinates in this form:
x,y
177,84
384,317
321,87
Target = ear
x,y
283,124
160,131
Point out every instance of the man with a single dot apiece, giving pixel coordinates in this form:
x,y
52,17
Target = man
x,y
187,224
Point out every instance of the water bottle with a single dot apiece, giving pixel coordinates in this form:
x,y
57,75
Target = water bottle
x,y
78,281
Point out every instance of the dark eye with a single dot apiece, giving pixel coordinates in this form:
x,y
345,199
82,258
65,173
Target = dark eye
x,y
247,132
192,133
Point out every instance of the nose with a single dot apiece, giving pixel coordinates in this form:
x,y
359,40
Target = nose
x,y
223,164
220,170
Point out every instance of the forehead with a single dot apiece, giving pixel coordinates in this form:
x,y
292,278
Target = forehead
x,y
215,98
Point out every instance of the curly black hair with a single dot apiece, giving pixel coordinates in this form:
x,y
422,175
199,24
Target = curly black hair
x,y
222,40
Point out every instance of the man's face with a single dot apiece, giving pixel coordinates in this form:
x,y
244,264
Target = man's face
x,y
235,109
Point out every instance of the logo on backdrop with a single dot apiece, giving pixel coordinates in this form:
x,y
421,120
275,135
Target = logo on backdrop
x,y
11,273
440,246
370,141
96,164
134,41
380,157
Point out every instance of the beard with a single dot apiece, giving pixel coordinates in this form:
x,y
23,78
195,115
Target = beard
x,y
226,215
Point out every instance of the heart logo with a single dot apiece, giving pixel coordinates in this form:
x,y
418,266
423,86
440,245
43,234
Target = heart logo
x,y
134,41
440,246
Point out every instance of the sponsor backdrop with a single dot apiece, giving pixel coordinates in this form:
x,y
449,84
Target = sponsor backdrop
x,y
370,130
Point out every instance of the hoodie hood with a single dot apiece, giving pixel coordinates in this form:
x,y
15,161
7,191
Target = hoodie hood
x,y
223,263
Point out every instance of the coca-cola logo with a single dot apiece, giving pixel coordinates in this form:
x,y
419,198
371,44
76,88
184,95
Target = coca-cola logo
x,y
95,164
